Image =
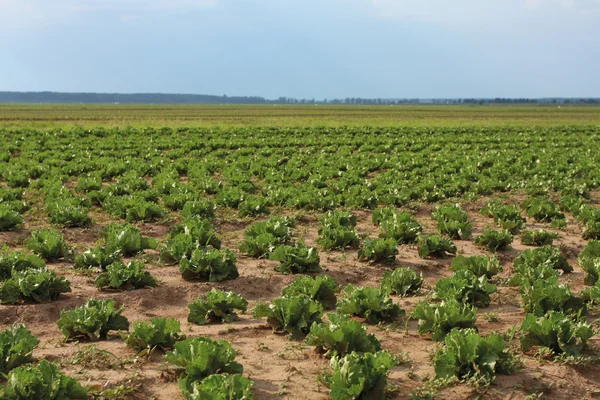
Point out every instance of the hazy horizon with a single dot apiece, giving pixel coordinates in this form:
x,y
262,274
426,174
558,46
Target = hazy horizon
x,y
304,49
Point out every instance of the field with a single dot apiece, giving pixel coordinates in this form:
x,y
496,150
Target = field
x,y
492,206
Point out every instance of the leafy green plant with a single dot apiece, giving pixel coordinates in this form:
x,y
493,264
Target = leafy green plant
x,y
378,250
435,246
360,376
202,208
465,287
186,237
264,236
494,240
508,216
127,239
466,355
222,387
16,347
321,288
337,230
67,212
38,284
439,319
217,306
548,295
542,210
209,265
200,357
97,257
293,315
453,221
340,336
125,277
93,320
9,218
478,265
43,381
296,259
402,281
48,244
546,255
539,237
17,261
370,303
158,332
557,332
400,226
252,206
589,260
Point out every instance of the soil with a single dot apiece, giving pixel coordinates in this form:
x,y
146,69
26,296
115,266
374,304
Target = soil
x,y
282,368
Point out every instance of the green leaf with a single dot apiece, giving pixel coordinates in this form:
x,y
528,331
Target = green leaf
x,y
217,306
159,332
342,335
93,320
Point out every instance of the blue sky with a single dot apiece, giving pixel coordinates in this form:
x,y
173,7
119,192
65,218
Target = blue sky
x,y
304,48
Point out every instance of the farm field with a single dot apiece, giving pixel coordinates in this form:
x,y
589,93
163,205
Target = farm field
x,y
428,220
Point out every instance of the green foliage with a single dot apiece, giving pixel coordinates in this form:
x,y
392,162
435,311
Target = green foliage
x,y
9,218
557,332
293,315
38,284
158,332
201,208
127,239
16,347
398,225
545,255
222,387
44,381
264,236
208,264
542,210
539,237
186,237
435,246
548,295
48,244
321,288
465,287
453,221
93,320
217,306
296,259
370,303
253,206
340,336
378,250
198,358
97,257
337,230
361,376
67,212
439,319
125,277
402,281
494,240
589,260
478,265
17,261
466,355
508,216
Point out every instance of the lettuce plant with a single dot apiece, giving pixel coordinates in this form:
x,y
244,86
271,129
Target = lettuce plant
x,y
453,221
296,259
48,244
253,206
38,284
9,219
508,216
370,303
378,250
216,306
435,246
548,295
589,260
43,381
97,257
209,265
494,240
125,277
439,319
340,336
321,288
202,208
542,210
264,236
16,347
361,376
127,239
402,281
478,265
293,315
222,387
93,320
337,230
546,255
17,261
557,332
539,237
398,225
465,287
158,332
186,237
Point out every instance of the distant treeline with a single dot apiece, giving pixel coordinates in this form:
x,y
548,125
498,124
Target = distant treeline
x,y
163,98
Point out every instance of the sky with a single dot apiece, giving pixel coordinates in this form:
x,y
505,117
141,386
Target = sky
x,y
303,48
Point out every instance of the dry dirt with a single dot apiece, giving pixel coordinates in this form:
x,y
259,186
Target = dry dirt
x,y
282,368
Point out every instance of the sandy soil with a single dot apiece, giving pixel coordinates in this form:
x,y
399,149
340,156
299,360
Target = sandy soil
x,y
282,368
